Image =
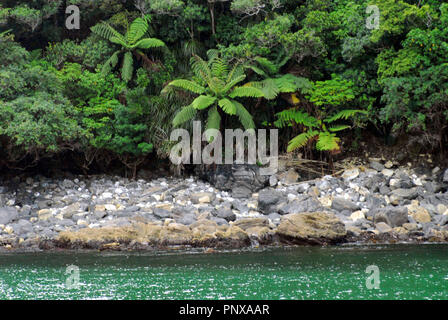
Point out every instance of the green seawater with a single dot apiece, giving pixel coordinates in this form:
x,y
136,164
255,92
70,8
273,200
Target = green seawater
x,y
405,272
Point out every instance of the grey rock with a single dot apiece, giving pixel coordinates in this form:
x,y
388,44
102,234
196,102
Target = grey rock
x,y
267,200
227,177
393,216
226,214
303,187
274,217
433,187
441,220
8,215
300,206
219,221
241,192
383,227
162,213
273,180
376,166
445,176
186,219
384,190
403,194
341,204
22,227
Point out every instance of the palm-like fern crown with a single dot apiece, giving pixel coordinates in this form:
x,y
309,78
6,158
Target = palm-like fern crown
x,y
130,41
315,129
217,86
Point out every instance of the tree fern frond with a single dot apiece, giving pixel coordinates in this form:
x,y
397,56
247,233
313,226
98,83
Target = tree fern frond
x,y
236,72
301,140
338,128
267,65
201,68
110,63
269,88
257,70
119,40
149,43
244,116
219,68
344,114
212,54
104,30
185,114
128,67
246,91
214,119
203,102
228,106
137,29
289,116
233,83
187,85
327,142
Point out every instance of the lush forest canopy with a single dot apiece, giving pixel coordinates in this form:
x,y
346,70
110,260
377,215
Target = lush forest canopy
x,y
113,89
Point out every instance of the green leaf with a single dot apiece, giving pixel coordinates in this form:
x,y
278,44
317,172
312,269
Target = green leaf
x,y
185,114
128,68
149,43
245,117
187,85
327,142
301,140
203,102
227,106
214,119
246,92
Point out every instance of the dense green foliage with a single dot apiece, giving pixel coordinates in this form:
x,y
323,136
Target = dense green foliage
x,y
112,90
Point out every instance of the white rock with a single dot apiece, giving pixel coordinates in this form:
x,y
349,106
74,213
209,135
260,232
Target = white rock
x,y
388,172
357,215
106,195
389,164
351,174
110,207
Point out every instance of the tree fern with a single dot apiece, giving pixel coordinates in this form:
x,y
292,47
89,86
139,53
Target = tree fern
x,y
130,43
214,78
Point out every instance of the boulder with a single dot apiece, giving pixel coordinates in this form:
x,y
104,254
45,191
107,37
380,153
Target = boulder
x,y
8,215
383,227
267,200
175,234
248,223
393,216
311,228
202,197
445,176
229,176
226,214
341,204
398,195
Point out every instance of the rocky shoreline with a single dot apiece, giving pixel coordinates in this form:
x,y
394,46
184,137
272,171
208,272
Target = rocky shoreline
x,y
375,203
